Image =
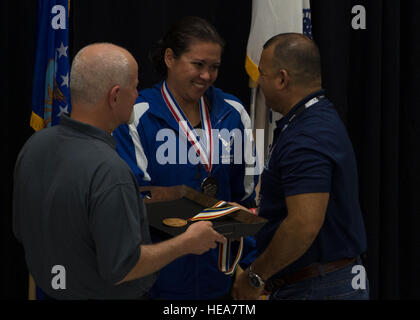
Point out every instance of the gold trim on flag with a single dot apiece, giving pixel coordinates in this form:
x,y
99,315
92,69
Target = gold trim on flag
x,y
252,69
37,123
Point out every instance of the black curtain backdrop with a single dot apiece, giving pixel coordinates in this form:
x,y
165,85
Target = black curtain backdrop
x,y
371,75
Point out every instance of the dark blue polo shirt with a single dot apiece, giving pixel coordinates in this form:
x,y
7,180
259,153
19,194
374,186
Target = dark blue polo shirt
x,y
314,154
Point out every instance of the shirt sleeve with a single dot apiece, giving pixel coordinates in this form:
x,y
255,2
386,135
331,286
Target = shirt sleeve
x,y
131,149
304,167
115,226
244,174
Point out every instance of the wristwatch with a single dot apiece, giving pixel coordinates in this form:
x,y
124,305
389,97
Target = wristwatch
x,y
254,279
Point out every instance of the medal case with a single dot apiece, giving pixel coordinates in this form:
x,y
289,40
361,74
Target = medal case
x,y
184,202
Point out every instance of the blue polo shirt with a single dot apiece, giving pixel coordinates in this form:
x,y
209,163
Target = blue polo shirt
x,y
314,154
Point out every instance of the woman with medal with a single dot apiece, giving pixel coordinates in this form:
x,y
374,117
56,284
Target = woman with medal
x,y
178,109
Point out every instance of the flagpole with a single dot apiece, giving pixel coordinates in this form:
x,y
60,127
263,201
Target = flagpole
x,y
31,288
50,89
253,99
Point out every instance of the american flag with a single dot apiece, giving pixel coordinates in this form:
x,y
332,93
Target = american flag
x,y
269,18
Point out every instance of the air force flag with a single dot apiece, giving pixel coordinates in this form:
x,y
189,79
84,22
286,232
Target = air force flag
x,y
50,92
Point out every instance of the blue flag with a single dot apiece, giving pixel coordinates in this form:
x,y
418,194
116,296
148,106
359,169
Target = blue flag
x,y
51,92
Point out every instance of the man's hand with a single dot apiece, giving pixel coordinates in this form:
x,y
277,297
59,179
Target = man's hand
x,y
201,237
242,290
240,206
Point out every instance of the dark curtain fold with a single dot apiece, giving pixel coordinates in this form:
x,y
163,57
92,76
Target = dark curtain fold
x,y
18,24
372,76
409,153
137,25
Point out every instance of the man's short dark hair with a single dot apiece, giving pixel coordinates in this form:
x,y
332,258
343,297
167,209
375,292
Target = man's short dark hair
x,y
299,55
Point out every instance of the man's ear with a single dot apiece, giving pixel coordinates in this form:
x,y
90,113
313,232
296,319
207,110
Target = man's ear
x,y
169,57
282,79
114,95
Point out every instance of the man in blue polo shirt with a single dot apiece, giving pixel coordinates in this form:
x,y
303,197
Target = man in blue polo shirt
x,y
309,188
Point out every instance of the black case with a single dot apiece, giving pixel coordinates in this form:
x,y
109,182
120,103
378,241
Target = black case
x,y
185,202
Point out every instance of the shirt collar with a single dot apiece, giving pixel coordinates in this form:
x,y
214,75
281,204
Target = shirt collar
x,y
87,129
282,121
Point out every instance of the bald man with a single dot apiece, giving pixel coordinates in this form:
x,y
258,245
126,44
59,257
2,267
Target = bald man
x,y
77,209
309,188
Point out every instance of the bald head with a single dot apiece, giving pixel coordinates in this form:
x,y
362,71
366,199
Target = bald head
x,y
299,55
96,69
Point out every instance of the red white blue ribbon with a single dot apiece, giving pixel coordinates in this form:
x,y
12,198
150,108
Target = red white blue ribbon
x,y
218,210
184,124
224,256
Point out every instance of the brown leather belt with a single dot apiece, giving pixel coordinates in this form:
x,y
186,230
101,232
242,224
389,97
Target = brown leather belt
x,y
308,272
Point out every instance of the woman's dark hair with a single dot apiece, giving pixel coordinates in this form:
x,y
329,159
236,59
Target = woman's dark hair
x,y
179,38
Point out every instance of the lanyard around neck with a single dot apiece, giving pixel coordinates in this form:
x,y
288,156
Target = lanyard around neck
x,y
295,114
302,108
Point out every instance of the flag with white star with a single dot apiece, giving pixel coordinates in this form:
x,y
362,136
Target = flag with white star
x,y
51,92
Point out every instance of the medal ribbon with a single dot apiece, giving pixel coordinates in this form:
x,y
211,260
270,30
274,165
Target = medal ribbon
x,y
214,212
206,157
219,210
224,256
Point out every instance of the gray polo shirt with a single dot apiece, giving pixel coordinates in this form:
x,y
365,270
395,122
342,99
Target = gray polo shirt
x,y
78,213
